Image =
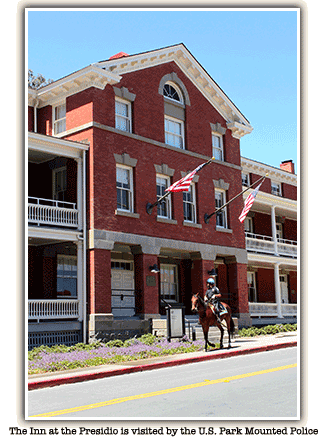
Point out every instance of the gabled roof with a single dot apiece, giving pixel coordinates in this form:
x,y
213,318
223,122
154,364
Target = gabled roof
x,y
236,121
110,72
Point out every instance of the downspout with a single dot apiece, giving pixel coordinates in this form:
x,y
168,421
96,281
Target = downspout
x,y
84,246
35,115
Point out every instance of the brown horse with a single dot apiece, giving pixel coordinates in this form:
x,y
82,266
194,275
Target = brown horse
x,y
208,318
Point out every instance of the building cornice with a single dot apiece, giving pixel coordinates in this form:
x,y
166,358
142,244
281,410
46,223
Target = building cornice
x,y
90,76
276,174
194,71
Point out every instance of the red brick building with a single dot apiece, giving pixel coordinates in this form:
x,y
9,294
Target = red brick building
x,y
131,126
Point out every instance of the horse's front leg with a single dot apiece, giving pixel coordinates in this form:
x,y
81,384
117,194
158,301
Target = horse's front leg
x,y
222,334
205,332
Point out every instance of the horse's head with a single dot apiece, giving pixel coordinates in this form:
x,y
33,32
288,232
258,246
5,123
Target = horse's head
x,y
195,301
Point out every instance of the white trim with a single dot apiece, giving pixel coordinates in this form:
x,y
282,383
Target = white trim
x,y
224,210
128,118
192,191
220,148
130,190
167,199
180,136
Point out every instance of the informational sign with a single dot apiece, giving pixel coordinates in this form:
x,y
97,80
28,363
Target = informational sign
x,y
175,322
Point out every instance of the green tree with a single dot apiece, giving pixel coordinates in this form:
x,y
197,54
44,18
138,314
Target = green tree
x,y
34,82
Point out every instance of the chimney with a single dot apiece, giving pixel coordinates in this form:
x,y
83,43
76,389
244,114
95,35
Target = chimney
x,y
287,165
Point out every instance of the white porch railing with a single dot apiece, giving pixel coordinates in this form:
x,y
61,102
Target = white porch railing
x,y
53,309
52,212
270,309
265,244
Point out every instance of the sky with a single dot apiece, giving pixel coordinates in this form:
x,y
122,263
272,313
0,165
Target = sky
x,y
251,54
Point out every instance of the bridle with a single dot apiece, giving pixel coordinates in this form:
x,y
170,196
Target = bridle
x,y
200,299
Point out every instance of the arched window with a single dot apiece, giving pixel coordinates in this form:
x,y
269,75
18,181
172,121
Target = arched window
x,y
172,91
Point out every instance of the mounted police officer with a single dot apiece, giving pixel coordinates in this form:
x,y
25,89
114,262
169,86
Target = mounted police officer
x,y
211,298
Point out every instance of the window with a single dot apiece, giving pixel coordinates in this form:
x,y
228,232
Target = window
x,y
245,179
169,283
279,231
59,118
217,145
123,115
276,189
174,132
221,216
172,92
189,204
164,208
60,184
251,284
124,184
248,225
67,276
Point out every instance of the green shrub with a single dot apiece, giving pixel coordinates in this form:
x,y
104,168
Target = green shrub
x,y
267,330
115,343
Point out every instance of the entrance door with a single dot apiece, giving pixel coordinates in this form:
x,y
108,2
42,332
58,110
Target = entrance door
x,y
169,282
284,289
122,289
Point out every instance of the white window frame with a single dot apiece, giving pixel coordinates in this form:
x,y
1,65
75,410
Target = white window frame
x,y
245,179
57,121
276,188
218,151
251,277
279,231
178,91
55,193
248,225
191,203
166,293
180,136
67,259
223,213
130,190
167,202
127,119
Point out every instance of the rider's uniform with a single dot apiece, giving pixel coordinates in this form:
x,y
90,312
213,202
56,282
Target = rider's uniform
x,y
212,296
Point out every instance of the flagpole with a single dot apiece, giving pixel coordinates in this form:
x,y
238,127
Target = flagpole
x,y
150,206
208,216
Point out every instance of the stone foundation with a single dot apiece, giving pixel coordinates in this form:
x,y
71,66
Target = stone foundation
x,y
106,328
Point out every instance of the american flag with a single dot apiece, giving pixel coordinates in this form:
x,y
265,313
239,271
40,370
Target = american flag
x,y
248,203
184,183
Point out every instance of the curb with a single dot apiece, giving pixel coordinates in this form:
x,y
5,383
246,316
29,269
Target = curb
x,y
46,383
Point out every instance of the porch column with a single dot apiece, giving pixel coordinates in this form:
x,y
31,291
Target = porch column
x,y
146,286
80,286
80,184
275,241
277,289
199,275
99,298
237,282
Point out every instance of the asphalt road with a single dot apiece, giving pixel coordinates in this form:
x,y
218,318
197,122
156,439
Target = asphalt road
x,y
262,385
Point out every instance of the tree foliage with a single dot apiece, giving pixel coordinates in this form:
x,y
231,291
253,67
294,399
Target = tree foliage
x,y
34,82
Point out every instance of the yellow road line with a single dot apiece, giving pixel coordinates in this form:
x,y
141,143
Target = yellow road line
x,y
161,392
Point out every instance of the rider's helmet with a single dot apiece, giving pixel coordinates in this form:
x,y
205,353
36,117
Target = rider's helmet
x,y
210,281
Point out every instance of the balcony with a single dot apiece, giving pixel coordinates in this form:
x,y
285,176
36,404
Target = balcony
x,y
52,213
43,309
266,245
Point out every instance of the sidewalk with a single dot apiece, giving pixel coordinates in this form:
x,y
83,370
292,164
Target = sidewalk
x,y
240,346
